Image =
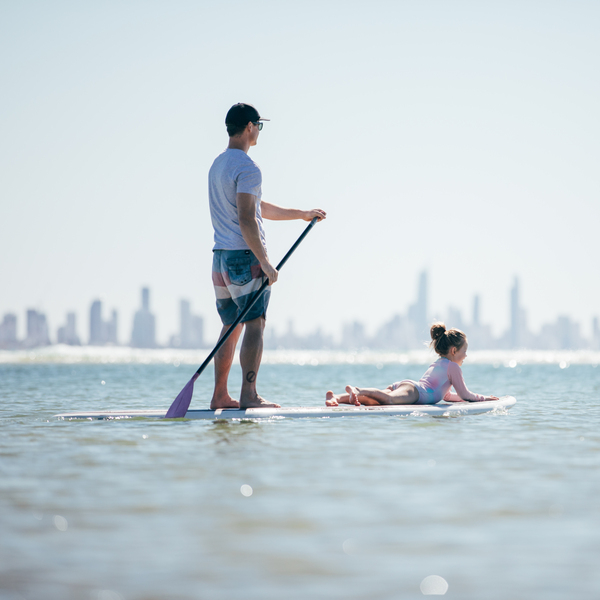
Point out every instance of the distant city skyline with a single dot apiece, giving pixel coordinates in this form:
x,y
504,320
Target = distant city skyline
x,y
403,330
459,137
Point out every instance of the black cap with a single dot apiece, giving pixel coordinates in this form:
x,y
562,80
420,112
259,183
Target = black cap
x,y
241,114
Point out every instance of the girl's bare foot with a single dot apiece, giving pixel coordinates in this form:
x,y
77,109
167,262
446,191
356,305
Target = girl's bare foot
x,y
331,399
353,395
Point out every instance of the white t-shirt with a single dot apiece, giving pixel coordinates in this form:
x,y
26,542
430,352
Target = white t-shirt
x,y
233,172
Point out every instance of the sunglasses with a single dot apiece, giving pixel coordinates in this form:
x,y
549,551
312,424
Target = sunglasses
x,y
259,124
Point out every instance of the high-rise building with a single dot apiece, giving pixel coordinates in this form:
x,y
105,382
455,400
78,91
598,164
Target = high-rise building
x,y
144,324
67,334
185,322
396,334
518,336
595,334
96,324
37,329
191,327
515,311
480,335
102,332
146,299
563,334
569,335
111,329
8,331
418,313
476,315
353,336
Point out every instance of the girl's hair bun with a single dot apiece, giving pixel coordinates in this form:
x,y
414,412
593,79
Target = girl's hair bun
x,y
443,339
437,331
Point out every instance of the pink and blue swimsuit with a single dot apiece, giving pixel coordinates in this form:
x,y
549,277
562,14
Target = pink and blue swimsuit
x,y
436,383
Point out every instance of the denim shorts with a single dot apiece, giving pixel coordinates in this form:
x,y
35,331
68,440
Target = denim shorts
x,y
236,276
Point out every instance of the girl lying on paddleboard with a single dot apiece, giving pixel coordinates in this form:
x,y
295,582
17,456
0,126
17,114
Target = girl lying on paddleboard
x,y
445,372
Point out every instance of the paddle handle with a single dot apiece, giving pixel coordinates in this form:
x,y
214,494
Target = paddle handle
x,y
252,302
296,244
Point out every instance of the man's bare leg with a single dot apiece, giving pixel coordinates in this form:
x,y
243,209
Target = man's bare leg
x,y
250,357
223,362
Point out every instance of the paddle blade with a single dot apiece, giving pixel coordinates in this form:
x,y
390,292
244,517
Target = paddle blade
x,y
181,404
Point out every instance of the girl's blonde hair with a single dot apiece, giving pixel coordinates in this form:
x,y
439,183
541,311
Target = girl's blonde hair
x,y
443,339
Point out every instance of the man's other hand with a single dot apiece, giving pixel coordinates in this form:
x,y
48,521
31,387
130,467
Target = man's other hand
x,y
270,271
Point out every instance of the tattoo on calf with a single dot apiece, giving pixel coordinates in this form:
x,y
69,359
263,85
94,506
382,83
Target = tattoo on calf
x,y
251,377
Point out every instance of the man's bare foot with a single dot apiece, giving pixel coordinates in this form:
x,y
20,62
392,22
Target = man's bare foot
x,y
223,402
331,399
257,402
353,395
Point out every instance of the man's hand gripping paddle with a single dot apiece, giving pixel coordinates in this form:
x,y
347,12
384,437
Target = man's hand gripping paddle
x,y
181,404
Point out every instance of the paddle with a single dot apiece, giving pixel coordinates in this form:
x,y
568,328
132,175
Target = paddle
x,y
181,404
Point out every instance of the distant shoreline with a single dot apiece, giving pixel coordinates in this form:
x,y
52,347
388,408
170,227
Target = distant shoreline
x,y
63,354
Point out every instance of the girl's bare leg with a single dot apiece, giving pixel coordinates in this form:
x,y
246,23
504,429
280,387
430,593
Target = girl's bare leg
x,y
404,394
357,397
332,399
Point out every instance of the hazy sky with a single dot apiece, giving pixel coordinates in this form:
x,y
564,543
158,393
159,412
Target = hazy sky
x,y
460,137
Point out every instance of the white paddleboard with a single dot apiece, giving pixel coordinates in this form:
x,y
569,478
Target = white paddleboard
x,y
442,409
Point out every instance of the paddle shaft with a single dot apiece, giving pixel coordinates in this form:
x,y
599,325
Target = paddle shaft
x,y
262,288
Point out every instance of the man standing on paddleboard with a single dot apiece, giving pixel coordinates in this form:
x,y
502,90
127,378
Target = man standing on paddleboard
x,y
240,259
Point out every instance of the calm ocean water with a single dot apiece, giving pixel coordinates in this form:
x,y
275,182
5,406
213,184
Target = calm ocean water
x,y
499,506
